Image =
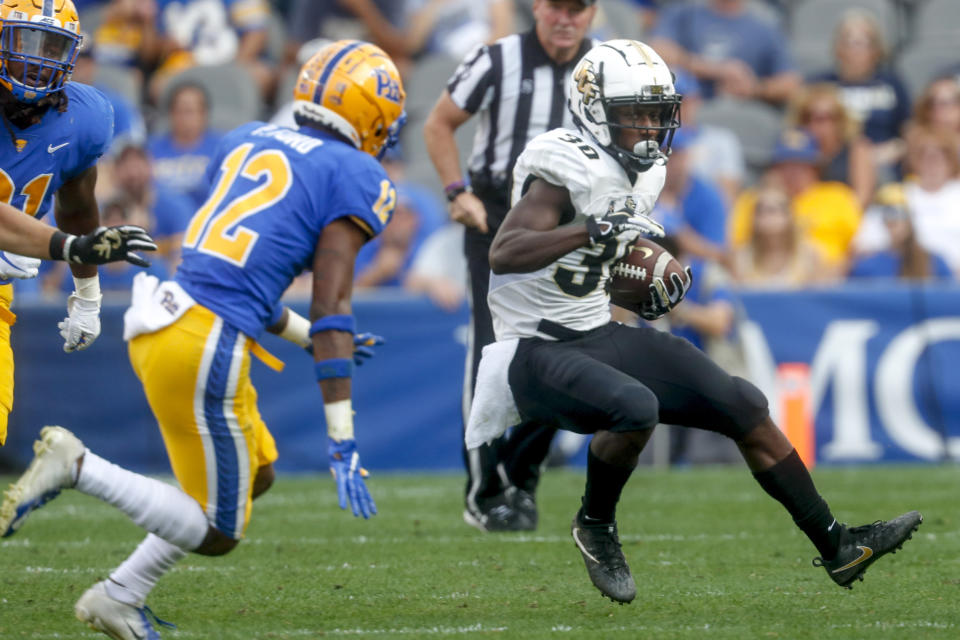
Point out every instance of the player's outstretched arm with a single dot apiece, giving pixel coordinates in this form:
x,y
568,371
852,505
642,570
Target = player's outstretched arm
x,y
333,334
102,245
530,237
24,235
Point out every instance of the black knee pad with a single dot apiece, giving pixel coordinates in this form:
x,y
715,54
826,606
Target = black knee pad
x,y
750,409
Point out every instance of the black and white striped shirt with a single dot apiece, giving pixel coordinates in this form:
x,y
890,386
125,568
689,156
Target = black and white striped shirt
x,y
519,92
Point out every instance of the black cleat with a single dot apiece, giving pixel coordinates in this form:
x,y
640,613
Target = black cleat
x,y
600,548
862,546
496,514
525,505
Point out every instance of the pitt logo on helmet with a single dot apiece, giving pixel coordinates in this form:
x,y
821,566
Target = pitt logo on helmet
x,y
39,42
387,87
353,88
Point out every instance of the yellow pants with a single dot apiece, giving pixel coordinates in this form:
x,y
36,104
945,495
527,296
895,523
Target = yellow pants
x,y
196,375
6,359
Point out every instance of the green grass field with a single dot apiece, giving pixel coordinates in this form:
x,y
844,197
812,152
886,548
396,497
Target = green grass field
x,y
712,555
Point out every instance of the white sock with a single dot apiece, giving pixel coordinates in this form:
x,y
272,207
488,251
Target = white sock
x,y
156,506
133,580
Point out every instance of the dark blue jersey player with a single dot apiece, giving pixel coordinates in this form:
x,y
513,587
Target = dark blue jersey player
x,y
280,201
52,135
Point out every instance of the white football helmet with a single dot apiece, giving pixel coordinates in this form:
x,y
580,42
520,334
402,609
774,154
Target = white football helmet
x,y
624,72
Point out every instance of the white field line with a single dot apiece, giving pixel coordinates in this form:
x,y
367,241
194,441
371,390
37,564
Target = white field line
x,y
559,629
219,568
24,541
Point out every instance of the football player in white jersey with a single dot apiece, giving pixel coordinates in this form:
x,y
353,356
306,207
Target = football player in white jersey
x,y
580,198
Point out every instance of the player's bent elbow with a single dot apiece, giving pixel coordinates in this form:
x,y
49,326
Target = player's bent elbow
x,y
500,262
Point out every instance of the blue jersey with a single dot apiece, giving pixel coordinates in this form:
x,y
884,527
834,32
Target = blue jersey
x,y
183,169
57,149
272,192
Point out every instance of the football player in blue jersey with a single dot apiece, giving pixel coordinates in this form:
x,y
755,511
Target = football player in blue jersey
x,y
53,133
281,201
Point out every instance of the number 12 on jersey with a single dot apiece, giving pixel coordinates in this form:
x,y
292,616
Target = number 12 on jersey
x,y
214,228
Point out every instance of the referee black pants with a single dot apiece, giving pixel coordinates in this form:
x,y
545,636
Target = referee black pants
x,y
515,459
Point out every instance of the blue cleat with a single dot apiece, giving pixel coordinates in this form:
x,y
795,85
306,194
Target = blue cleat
x,y
117,619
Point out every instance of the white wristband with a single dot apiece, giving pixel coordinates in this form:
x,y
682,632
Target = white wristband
x,y
87,288
297,329
339,419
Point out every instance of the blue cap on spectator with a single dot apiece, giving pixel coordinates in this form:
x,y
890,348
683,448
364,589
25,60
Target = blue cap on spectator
x,y
795,145
686,84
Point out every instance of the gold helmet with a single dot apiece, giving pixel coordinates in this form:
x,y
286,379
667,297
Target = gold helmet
x,y
353,88
39,41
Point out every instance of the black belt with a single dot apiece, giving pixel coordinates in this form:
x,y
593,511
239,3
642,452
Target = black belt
x,y
558,331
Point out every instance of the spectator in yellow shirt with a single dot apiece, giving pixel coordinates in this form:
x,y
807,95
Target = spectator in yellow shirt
x,y
827,213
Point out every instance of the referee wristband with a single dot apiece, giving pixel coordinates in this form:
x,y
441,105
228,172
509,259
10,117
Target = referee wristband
x,y
454,189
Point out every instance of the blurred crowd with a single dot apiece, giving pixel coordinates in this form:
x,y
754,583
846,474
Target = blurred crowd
x,y
819,138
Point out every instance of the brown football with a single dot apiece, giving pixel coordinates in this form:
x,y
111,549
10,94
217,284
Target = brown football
x,y
632,275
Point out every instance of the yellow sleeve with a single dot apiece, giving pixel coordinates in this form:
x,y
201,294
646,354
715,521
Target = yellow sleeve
x,y
830,215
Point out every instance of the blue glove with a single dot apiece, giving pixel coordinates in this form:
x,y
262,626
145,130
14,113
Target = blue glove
x,y
346,470
363,344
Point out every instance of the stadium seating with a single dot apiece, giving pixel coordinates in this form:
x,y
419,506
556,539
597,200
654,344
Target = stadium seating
x,y
234,97
123,80
756,124
937,21
424,84
922,62
812,22
622,19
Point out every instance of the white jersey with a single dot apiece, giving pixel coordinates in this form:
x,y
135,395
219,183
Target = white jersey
x,y
572,290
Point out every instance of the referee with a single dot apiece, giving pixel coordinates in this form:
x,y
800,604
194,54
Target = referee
x,y
518,87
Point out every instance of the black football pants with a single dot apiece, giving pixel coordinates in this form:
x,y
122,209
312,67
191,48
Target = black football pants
x,y
621,378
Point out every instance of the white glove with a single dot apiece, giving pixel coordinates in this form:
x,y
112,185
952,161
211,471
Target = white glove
x,y
82,324
15,266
